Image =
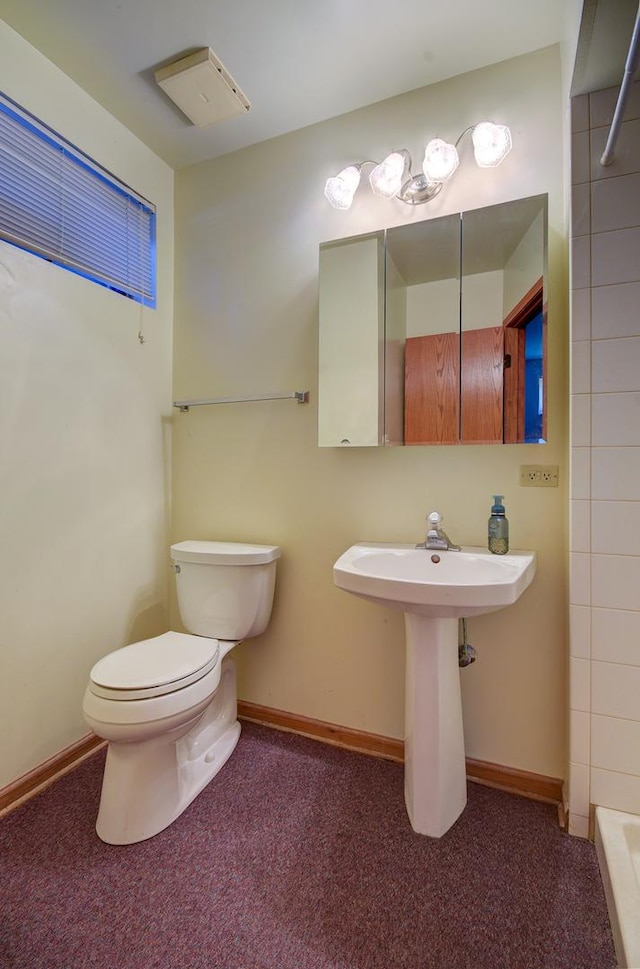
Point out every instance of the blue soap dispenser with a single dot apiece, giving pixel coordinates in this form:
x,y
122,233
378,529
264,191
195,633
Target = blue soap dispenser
x,y
498,528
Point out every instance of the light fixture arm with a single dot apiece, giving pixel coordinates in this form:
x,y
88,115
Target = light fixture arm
x,y
465,132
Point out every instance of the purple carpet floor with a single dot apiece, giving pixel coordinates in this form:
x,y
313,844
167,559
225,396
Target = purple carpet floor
x,y
298,856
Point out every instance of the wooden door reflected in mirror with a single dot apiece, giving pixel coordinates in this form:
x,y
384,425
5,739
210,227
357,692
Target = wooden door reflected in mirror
x,y
423,286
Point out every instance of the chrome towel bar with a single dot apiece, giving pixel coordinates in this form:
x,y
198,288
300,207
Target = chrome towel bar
x,y
301,396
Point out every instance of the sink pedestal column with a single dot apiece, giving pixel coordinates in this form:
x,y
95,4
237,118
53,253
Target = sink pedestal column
x,y
435,786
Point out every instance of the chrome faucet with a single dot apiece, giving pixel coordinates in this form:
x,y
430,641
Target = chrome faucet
x,y
436,537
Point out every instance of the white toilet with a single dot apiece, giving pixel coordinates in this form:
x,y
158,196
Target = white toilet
x,y
167,705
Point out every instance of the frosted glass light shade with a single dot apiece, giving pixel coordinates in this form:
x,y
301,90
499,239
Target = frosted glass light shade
x,y
340,189
491,143
440,160
386,179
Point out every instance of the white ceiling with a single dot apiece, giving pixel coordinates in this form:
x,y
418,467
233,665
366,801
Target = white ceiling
x,y
298,61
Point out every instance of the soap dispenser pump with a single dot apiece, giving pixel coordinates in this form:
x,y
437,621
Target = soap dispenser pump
x,y
498,528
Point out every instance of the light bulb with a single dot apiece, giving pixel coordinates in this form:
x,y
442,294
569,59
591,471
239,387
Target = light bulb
x,y
491,143
386,179
440,160
340,189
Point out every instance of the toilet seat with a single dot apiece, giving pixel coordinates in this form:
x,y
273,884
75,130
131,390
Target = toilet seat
x,y
154,667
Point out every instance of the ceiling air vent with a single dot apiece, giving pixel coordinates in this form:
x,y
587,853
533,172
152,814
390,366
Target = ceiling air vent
x,y
202,88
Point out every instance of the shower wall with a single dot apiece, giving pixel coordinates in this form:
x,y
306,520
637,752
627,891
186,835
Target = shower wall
x,y
605,462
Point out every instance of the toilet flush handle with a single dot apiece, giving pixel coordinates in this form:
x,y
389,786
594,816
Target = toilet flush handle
x,y
175,567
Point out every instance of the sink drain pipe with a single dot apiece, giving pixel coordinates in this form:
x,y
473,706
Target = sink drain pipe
x,y
466,652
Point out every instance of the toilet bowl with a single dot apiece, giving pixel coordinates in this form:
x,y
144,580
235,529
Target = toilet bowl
x,y
167,705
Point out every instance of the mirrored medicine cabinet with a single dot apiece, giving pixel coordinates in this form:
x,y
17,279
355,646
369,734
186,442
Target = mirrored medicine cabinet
x,y
435,332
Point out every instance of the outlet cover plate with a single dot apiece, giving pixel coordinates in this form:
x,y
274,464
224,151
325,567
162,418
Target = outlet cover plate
x,y
539,475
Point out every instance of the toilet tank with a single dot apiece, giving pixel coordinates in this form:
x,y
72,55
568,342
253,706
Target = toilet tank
x,y
225,589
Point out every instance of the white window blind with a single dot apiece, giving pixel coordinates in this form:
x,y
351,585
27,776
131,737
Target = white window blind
x,y
58,203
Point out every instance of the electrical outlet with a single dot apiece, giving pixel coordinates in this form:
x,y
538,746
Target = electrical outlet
x,y
539,475
529,475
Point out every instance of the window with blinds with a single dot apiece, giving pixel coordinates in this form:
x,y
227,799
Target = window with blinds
x,y
59,204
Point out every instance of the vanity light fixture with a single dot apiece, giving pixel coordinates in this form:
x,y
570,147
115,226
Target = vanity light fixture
x,y
393,178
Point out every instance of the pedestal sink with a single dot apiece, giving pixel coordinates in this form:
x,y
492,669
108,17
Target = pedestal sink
x,y
434,589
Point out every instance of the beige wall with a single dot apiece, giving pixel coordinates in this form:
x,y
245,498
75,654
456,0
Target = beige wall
x,y
83,440
248,226
523,269
605,462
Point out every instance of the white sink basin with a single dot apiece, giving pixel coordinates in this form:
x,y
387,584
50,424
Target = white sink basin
x,y
426,582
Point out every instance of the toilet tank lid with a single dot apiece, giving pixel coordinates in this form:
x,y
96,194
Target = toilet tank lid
x,y
224,553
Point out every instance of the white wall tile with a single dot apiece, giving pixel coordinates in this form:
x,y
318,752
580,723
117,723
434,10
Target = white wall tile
x,y
626,157
615,690
615,310
579,737
616,365
615,420
580,113
581,314
615,528
618,791
581,472
614,257
580,526
580,632
578,824
615,473
603,104
580,157
579,579
581,209
615,203
579,789
615,581
580,262
581,367
580,420
615,744
615,636
579,684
